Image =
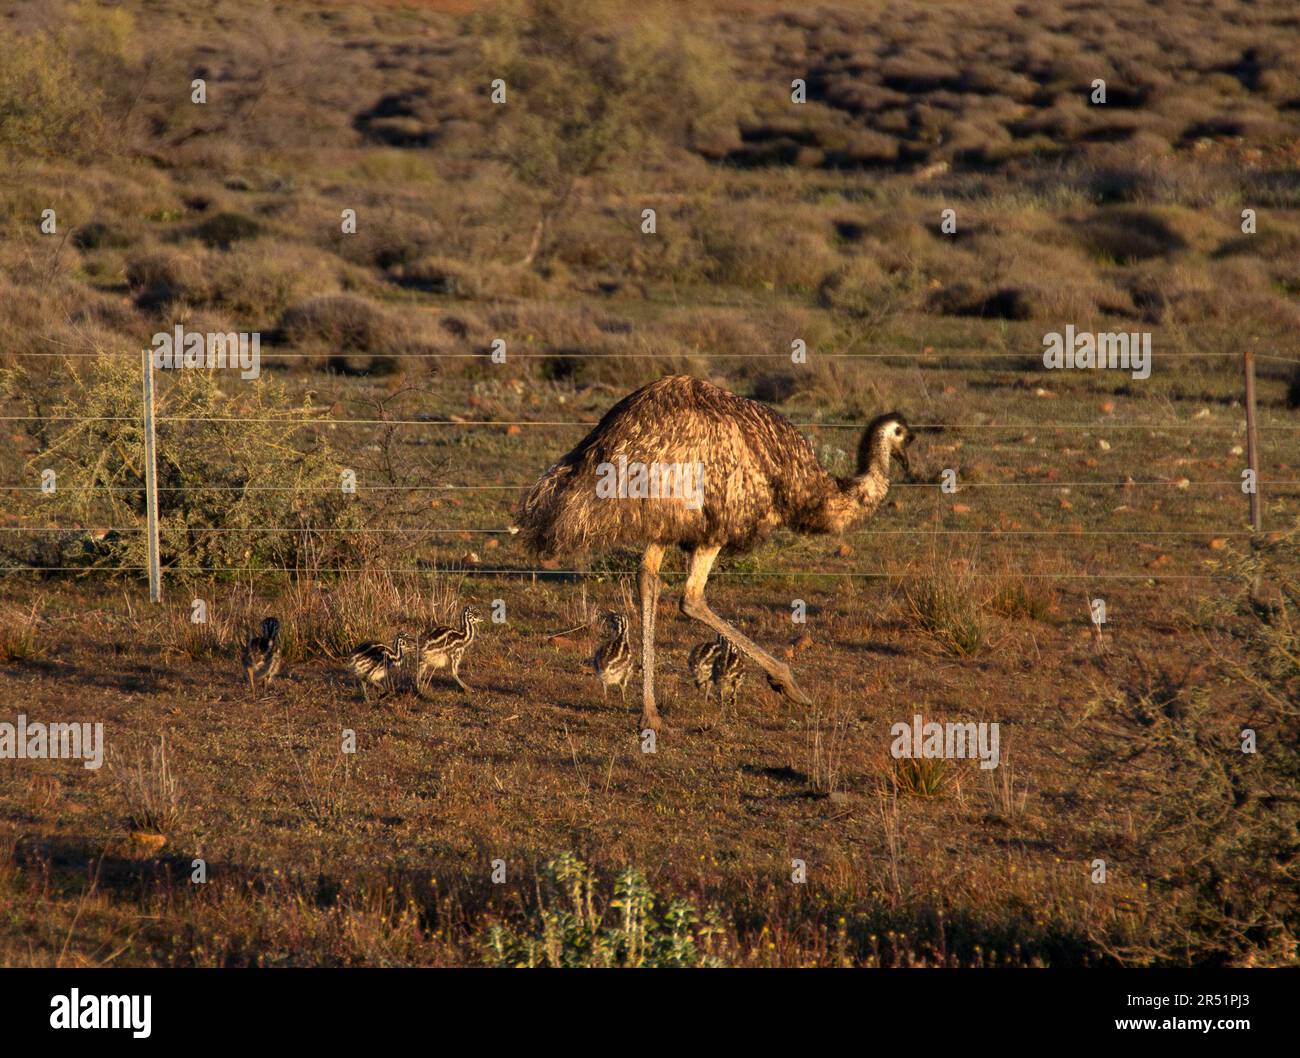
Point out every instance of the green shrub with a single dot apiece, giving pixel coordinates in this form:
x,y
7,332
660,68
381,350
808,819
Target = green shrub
x,y
44,107
267,478
223,230
570,928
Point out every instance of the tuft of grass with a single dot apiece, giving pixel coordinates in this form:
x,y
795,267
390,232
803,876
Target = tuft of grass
x,y
1016,595
150,788
945,606
19,639
332,618
827,735
921,777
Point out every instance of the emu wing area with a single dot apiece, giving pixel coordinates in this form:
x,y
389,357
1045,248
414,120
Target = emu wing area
x,y
757,470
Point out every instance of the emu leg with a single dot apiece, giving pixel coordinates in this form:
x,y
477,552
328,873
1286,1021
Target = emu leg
x,y
693,605
455,674
648,583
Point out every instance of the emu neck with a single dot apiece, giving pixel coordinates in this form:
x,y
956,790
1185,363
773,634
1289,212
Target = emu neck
x,y
850,501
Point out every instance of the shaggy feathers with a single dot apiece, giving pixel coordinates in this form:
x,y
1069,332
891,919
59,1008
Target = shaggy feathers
x,y
759,473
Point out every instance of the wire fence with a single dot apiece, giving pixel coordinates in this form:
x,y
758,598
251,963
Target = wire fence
x,y
1242,426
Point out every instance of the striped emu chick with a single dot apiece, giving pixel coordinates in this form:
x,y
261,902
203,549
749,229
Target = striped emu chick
x,y
613,658
444,647
261,655
728,674
374,664
717,664
700,662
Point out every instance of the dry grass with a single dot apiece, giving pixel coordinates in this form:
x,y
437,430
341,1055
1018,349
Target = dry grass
x,y
20,637
946,605
149,788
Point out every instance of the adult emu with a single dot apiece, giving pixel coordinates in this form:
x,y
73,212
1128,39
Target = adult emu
x,y
758,473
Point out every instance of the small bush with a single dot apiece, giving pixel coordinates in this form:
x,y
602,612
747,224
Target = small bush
x,y
343,322
570,927
249,463
45,108
223,230
159,277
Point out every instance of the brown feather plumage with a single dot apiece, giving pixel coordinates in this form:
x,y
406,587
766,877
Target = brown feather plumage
x,y
760,473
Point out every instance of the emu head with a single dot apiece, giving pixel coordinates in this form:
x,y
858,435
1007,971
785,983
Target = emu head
x,y
270,629
886,437
473,616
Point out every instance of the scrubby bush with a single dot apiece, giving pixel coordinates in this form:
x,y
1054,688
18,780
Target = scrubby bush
x,y
353,333
247,462
644,89
573,926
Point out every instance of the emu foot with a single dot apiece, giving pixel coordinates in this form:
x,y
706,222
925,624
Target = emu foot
x,y
789,688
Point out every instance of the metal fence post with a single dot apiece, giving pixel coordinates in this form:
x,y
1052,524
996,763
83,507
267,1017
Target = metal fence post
x,y
1252,441
151,480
